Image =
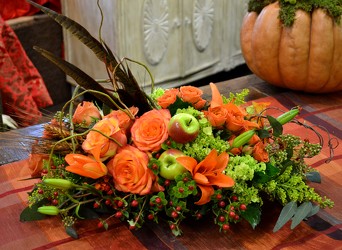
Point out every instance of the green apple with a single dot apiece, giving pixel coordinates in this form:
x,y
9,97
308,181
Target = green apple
x,y
183,128
169,167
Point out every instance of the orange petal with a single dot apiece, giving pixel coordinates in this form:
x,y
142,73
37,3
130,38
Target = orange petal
x,y
221,180
188,162
208,164
201,179
222,161
216,99
207,192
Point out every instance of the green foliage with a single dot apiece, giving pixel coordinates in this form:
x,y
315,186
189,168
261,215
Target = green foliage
x,y
288,8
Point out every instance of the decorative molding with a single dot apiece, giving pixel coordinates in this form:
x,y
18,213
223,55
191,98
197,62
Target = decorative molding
x,y
155,30
203,22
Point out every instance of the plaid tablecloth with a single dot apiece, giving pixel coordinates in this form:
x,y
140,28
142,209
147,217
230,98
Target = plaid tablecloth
x,y
322,231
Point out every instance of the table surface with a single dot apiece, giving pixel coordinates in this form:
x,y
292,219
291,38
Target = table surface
x,y
322,231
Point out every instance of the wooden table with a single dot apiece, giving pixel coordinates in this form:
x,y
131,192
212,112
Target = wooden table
x,y
322,231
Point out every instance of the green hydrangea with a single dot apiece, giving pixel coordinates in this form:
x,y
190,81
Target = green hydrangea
x,y
242,168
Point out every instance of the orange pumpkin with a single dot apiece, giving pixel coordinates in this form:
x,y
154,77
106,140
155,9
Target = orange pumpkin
x,y
305,56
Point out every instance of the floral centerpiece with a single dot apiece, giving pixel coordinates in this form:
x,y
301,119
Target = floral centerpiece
x,y
168,156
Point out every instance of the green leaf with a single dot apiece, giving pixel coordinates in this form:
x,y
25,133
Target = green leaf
x,y
285,215
178,104
314,210
263,133
252,215
270,172
314,177
87,213
277,127
31,213
71,232
77,211
301,213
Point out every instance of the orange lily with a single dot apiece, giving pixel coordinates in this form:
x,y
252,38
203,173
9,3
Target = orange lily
x,y
85,166
208,173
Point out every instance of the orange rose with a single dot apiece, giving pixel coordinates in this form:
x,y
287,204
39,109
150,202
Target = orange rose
x,y
125,122
86,112
190,94
150,130
130,172
217,116
169,97
102,147
260,153
85,166
36,163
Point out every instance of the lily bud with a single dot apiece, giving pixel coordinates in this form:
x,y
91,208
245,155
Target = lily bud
x,y
242,139
288,116
49,210
59,183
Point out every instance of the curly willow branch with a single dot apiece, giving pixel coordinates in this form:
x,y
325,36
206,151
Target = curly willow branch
x,y
321,139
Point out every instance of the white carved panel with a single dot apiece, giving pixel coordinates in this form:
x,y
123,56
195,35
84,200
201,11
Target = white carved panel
x,y
203,21
155,29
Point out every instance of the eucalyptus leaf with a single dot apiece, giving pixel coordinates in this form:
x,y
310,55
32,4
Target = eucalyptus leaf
x,y
302,211
277,127
252,215
314,210
314,177
71,232
286,214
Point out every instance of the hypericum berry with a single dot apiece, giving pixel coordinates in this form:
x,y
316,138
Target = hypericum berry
x,y
235,198
172,226
154,166
55,194
232,208
232,214
181,190
150,216
199,216
151,204
131,227
53,167
118,214
158,200
100,224
178,208
222,204
191,187
167,183
134,203
96,205
174,214
54,202
170,203
185,179
40,191
236,217
120,203
44,171
108,202
243,207
222,218
110,192
225,227
219,196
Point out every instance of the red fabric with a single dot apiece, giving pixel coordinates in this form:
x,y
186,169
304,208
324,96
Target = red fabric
x,y
22,87
16,8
